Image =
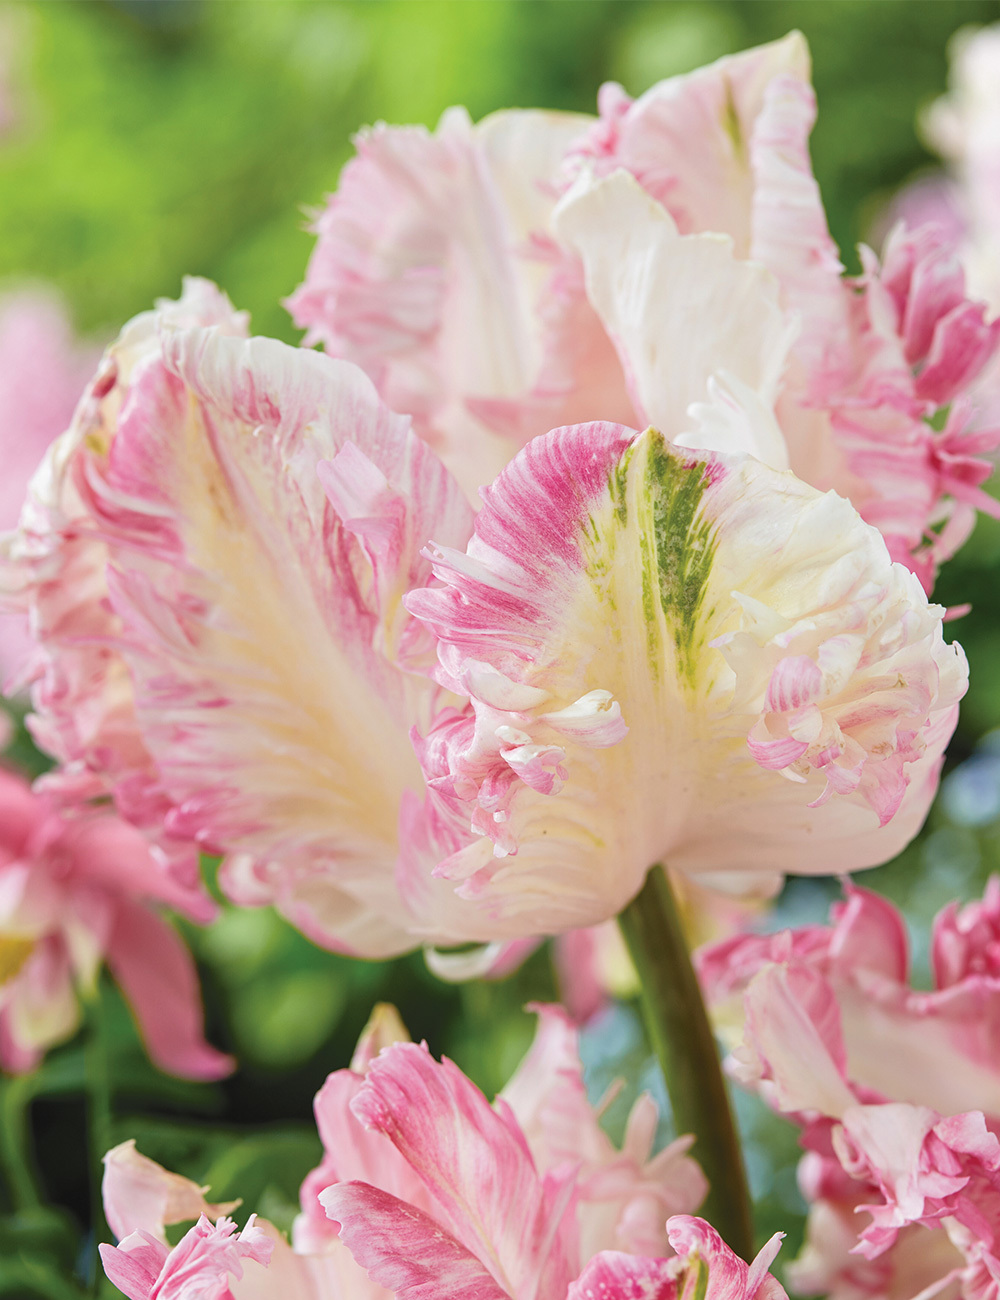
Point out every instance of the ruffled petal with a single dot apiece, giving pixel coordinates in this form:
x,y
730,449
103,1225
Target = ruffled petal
x,y
687,140
612,1275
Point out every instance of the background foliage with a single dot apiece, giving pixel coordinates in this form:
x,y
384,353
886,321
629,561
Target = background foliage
x,y
158,137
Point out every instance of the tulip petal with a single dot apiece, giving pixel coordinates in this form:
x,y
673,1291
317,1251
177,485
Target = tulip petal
x,y
475,1163
263,621
157,975
140,1195
427,275
404,1250
648,282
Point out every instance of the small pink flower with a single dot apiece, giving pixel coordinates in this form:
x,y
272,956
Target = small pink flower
x,y
897,1091
204,1265
78,889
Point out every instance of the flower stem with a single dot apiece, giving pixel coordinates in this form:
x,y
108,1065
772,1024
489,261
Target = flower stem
x,y
98,1121
682,1038
15,1097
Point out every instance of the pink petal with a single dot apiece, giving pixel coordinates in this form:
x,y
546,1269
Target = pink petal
x,y
476,1165
140,1195
133,1266
157,975
405,1250
425,275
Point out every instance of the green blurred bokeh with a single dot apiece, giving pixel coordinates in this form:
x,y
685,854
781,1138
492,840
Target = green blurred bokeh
x,y
154,138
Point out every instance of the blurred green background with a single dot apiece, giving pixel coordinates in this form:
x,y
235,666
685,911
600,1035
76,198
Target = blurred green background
x,y
153,138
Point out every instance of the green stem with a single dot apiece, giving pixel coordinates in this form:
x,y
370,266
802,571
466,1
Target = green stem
x,y
98,1120
15,1097
681,1037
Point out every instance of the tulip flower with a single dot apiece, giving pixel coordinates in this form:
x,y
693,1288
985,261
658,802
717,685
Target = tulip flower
x,y
407,1140
897,1090
493,305
77,890
964,202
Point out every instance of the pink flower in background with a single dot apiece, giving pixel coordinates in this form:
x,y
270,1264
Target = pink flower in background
x,y
203,1264
898,1091
43,371
426,1185
964,202
78,890
704,1265
212,1260
491,309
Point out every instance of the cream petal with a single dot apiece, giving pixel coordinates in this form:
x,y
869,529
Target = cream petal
x,y
648,283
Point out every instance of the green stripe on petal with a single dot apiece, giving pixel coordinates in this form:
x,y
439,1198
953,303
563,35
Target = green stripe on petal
x,y
660,490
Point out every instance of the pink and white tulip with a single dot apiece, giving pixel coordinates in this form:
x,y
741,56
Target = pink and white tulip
x,y
78,890
215,557
600,284
897,1090
390,1121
